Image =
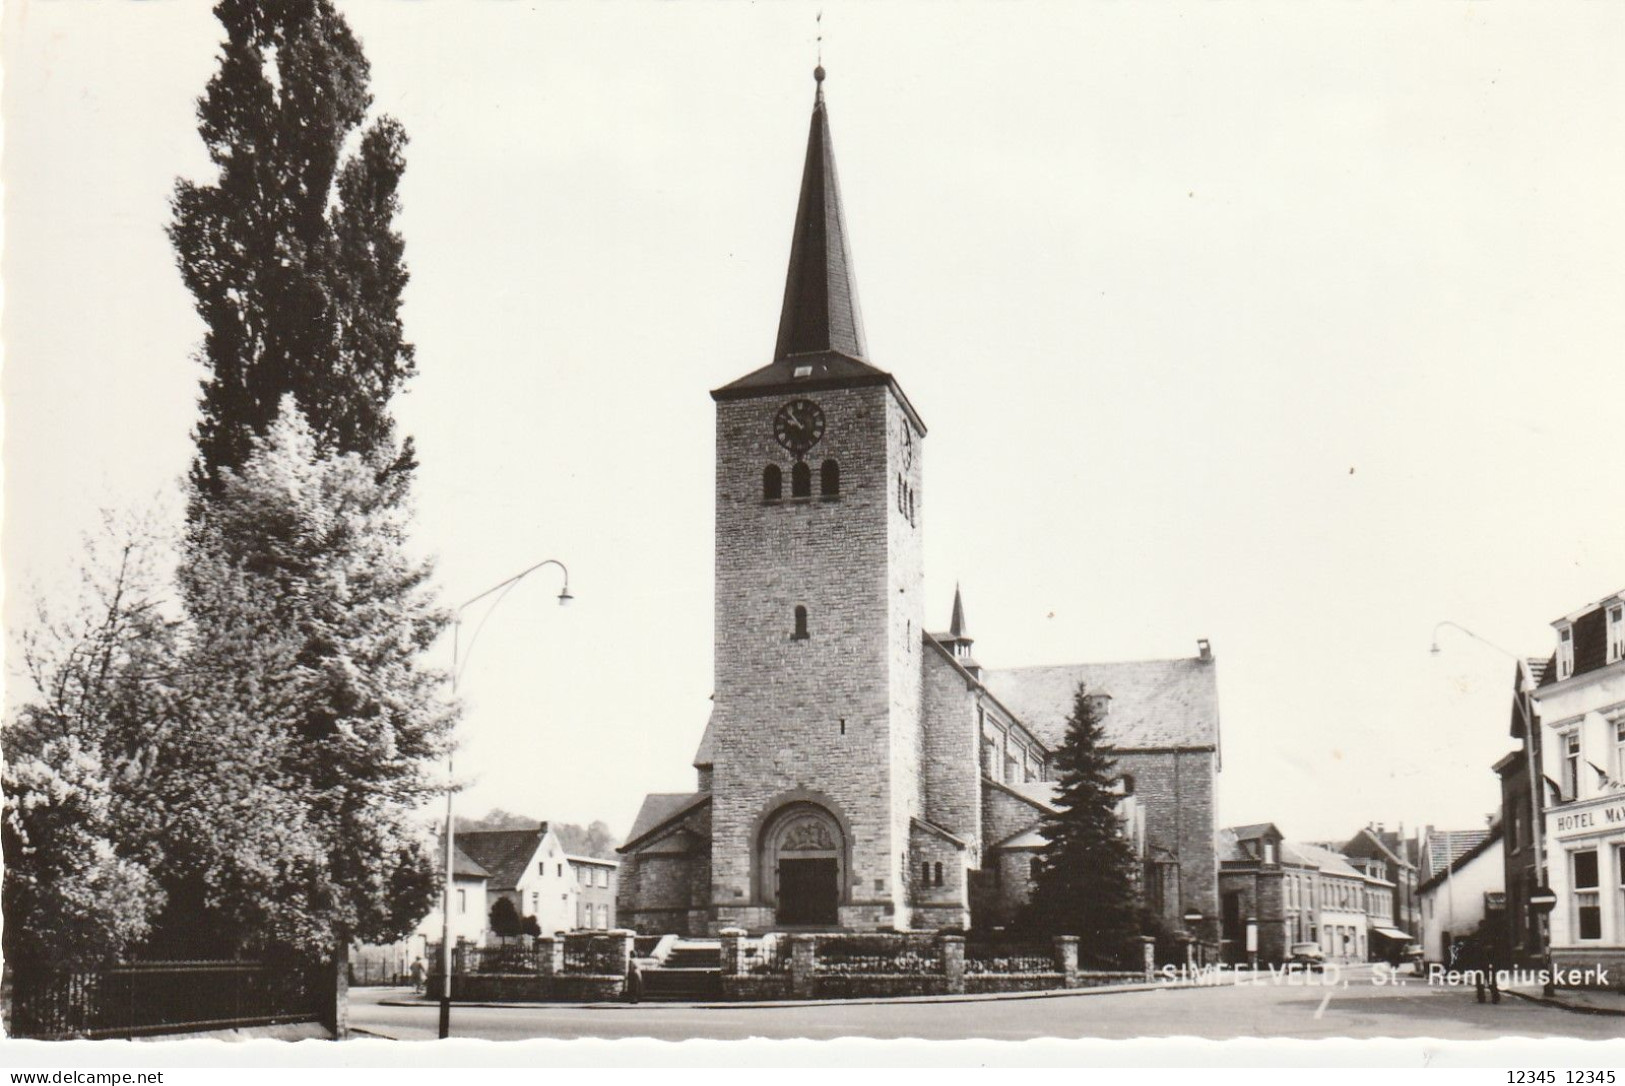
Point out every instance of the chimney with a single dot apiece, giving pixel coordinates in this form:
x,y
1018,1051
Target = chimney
x,y
1204,649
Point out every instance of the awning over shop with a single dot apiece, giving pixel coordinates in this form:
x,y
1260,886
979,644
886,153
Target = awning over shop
x,y
1392,933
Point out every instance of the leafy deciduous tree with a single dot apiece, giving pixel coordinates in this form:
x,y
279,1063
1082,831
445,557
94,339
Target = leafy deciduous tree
x,y
309,619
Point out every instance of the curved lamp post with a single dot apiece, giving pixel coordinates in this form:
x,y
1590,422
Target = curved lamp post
x,y
459,660
1537,823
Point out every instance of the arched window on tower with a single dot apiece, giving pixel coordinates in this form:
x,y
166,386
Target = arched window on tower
x,y
801,624
829,479
801,480
937,880
772,483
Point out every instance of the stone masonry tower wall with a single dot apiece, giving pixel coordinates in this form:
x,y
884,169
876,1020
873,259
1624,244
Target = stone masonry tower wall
x,y
831,719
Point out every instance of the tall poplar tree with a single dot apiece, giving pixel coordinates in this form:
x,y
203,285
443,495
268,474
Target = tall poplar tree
x,y
1085,884
290,252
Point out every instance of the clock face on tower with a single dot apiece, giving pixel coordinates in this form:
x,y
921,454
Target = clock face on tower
x,y
798,425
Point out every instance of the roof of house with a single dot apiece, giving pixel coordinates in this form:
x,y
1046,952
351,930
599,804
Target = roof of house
x,y
1328,861
1154,703
1442,848
598,860
660,808
1227,846
463,866
504,853
1487,839
1248,832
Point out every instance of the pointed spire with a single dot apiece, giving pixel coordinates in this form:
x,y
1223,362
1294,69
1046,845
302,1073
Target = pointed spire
x,y
820,312
956,626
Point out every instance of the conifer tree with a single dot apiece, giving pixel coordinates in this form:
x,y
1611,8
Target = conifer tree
x,y
290,251
1085,883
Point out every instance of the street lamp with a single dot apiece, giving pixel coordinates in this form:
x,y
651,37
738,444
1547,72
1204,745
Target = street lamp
x,y
459,660
1537,821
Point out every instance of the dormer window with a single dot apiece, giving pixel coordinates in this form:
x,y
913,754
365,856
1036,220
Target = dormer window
x,y
1616,632
1565,652
803,371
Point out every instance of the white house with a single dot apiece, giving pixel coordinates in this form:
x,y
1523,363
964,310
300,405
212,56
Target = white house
x,y
1457,899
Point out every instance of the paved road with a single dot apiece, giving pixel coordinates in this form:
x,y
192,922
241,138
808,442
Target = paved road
x,y
1359,1009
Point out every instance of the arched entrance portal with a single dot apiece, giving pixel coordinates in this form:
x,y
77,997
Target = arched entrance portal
x,y
804,866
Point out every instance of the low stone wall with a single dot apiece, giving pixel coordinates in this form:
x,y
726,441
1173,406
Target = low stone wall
x,y
752,988
983,983
879,964
534,988
870,985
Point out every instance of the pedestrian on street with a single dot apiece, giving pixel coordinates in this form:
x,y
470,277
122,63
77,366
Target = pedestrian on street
x,y
634,979
1480,962
417,976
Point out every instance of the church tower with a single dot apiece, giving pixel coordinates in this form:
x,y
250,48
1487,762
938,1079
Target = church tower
x,y
815,737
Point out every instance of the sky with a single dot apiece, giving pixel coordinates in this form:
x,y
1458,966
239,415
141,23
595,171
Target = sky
x,y
1292,326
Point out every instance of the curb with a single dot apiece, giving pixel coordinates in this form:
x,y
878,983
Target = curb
x,y
1572,1008
870,1001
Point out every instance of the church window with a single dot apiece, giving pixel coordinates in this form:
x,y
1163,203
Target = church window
x,y
843,725
936,879
829,479
801,480
801,624
772,483
925,872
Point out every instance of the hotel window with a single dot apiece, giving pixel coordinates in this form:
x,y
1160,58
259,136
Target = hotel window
x,y
1619,869
1587,905
535,901
1619,750
1616,632
561,871
462,901
603,916
1571,765
1565,652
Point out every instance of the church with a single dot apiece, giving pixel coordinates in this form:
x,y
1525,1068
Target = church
x,y
859,772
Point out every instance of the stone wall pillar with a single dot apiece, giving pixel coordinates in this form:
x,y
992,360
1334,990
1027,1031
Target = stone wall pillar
x,y
459,958
1066,959
550,955
733,951
952,951
1150,957
803,965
